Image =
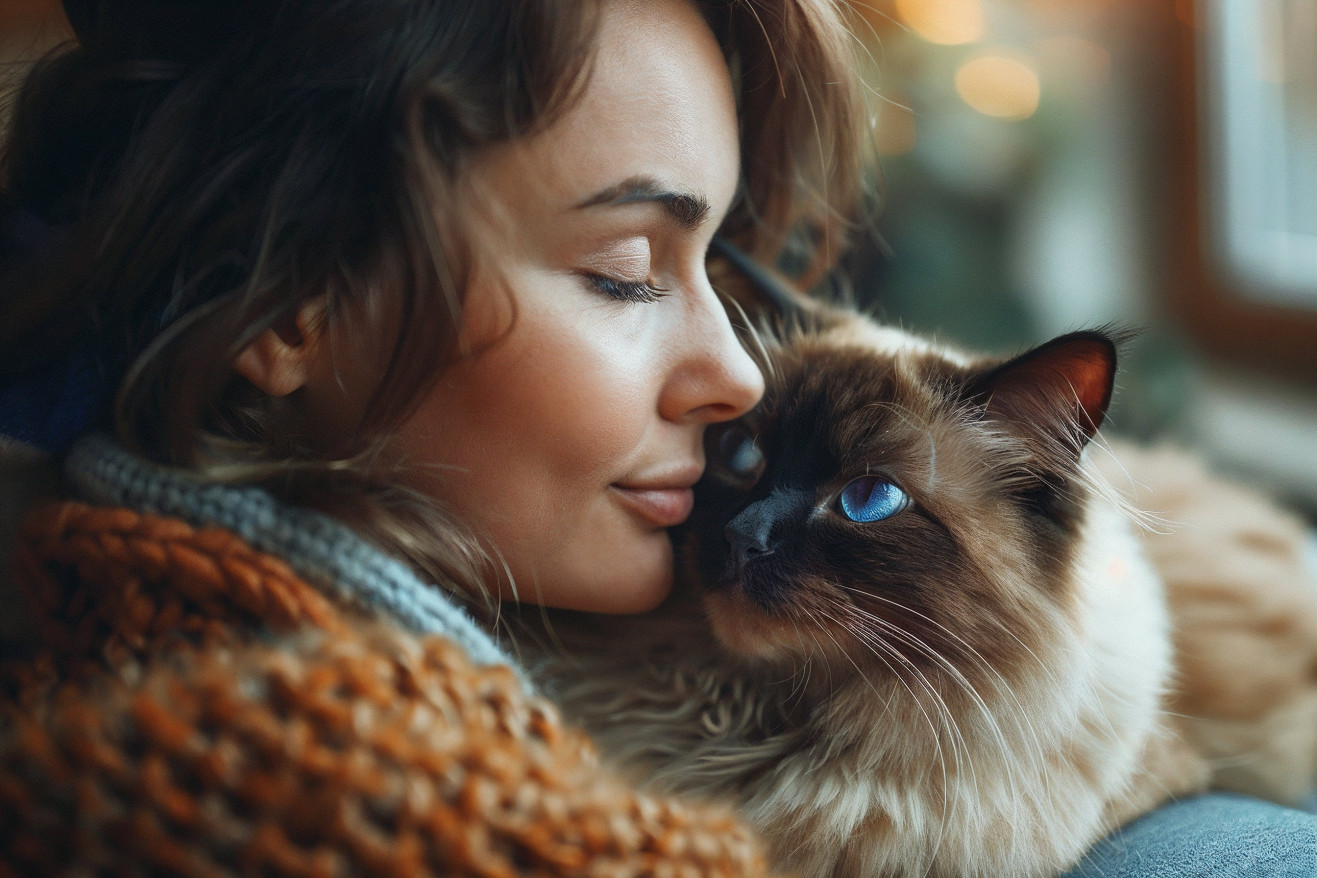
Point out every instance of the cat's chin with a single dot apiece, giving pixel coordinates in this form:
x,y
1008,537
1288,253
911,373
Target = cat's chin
x,y
746,631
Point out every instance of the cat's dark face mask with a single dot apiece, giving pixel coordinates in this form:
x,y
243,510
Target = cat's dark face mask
x,y
884,496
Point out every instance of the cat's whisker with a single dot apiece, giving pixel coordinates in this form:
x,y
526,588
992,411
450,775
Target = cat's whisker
x,y
941,661
995,732
969,648
918,702
807,668
872,638
887,702
959,745
800,676
1125,498
817,627
960,750
1038,751
999,682
875,642
760,339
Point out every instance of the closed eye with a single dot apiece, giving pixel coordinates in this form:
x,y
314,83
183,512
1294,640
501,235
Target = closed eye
x,y
626,290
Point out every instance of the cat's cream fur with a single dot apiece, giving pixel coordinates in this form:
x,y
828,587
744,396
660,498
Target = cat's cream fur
x,y
1184,657
1244,603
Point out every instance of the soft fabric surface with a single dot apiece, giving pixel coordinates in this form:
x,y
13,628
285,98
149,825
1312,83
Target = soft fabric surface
x,y
318,547
198,709
1212,836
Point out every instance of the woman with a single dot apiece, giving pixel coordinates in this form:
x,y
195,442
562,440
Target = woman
x,y
438,272
361,282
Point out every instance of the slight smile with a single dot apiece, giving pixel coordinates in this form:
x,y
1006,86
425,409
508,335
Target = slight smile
x,y
663,506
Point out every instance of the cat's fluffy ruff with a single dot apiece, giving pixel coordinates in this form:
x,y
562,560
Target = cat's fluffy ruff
x,y
850,772
1244,605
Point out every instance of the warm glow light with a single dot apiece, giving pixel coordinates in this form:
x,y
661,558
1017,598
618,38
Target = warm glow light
x,y
895,134
999,85
947,22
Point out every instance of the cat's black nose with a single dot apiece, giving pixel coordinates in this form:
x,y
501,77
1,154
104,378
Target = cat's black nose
x,y
750,533
745,547
757,529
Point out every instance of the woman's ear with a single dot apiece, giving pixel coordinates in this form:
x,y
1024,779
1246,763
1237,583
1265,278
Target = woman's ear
x,y
282,358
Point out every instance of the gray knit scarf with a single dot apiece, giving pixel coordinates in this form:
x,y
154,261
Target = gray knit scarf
x,y
322,550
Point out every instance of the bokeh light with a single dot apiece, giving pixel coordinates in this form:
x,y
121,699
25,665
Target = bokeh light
x,y
999,84
946,22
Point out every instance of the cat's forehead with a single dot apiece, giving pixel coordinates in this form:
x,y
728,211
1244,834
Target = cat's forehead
x,y
889,343
833,373
857,391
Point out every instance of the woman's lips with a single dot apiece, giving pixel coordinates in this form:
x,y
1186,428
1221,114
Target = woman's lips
x,y
665,507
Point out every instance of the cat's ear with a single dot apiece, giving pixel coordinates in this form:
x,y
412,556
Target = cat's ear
x,y
1060,389
772,307
762,291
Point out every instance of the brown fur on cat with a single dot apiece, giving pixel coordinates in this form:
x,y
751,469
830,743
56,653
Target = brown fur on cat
x,y
985,685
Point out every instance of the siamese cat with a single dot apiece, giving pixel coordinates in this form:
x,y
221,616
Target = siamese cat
x,y
918,632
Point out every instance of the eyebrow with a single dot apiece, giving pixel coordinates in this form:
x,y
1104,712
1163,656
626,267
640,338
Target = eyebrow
x,y
687,210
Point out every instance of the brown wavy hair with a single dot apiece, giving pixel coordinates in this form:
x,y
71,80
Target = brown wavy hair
x,y
213,166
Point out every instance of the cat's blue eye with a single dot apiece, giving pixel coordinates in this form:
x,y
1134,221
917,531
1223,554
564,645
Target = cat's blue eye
x,y
872,498
739,456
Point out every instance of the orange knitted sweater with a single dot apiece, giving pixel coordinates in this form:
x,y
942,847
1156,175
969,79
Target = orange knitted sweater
x,y
198,709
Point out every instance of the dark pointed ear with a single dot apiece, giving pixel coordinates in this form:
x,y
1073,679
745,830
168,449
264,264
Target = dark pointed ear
x,y
1060,389
771,291
771,303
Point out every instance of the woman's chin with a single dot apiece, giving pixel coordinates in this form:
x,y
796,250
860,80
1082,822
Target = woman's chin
x,y
641,579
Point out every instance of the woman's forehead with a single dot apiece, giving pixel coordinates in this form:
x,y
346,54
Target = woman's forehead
x,y
657,116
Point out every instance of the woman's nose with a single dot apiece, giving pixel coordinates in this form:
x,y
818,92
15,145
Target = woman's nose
x,y
713,378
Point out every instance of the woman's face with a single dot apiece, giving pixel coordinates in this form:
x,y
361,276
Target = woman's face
x,y
571,435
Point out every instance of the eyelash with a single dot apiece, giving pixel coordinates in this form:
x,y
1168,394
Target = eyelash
x,y
625,290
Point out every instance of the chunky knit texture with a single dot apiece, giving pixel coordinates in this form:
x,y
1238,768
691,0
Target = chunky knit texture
x,y
322,550
200,709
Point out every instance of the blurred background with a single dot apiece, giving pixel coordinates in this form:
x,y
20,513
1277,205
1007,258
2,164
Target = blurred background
x,y
1049,165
